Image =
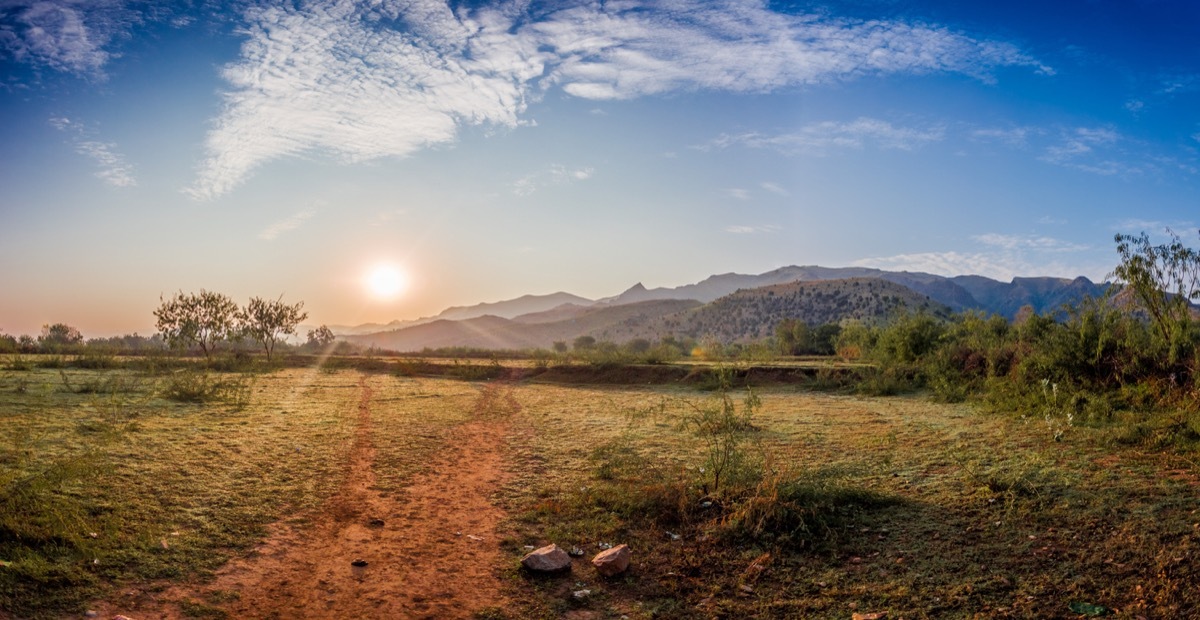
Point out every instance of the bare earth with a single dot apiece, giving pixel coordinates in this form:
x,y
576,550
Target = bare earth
x,y
431,553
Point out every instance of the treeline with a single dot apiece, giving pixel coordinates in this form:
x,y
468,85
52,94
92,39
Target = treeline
x,y
203,322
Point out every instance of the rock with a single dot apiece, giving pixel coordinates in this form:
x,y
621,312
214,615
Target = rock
x,y
879,615
581,595
613,561
575,552
548,559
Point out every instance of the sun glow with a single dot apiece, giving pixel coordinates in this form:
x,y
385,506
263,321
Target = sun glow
x,y
385,281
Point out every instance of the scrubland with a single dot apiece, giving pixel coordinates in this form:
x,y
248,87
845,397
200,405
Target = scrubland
x,y
786,499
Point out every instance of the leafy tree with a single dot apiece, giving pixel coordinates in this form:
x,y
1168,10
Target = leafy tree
x,y
269,321
583,343
203,319
59,335
792,337
560,346
1164,278
320,337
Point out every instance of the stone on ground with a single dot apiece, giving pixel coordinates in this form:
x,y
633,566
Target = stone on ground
x,y
548,559
612,561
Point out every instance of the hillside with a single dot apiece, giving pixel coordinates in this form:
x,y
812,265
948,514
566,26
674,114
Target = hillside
x,y
528,331
728,307
753,314
958,293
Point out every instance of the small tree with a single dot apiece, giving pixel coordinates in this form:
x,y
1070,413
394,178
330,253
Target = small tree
x,y
59,335
203,320
1164,278
320,337
269,321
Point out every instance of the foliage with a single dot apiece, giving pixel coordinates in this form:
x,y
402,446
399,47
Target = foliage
x,y
268,321
59,336
320,338
1165,278
195,386
723,429
203,319
795,337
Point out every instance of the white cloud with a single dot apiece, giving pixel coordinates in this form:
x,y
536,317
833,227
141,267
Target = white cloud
x,y
65,35
555,174
356,81
1157,230
750,230
1091,149
1182,83
1011,136
291,222
774,188
998,266
823,137
1018,242
1002,257
1135,105
738,193
114,170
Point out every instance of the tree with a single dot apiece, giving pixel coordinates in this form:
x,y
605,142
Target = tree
x,y
320,337
203,320
59,335
583,343
269,321
1164,278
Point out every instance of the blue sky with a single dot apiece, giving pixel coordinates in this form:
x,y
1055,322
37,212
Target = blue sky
x,y
489,150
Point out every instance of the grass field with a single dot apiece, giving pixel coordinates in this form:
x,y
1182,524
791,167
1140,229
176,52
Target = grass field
x,y
113,483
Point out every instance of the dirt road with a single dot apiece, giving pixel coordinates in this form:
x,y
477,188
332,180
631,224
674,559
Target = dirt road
x,y
430,552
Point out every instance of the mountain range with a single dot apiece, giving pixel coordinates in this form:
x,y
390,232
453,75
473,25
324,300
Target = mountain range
x,y
728,307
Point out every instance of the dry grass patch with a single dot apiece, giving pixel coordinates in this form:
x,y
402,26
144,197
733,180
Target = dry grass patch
x,y
921,510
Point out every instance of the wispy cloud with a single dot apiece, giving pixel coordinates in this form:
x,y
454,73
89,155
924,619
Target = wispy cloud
x,y
738,193
1180,83
1001,257
358,80
65,35
556,174
774,188
1010,136
114,170
1034,242
750,230
1156,229
826,136
292,222
1091,149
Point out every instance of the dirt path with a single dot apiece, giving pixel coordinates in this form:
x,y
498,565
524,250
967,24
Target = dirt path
x,y
430,553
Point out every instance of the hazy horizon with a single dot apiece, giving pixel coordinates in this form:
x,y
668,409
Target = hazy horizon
x,y
388,160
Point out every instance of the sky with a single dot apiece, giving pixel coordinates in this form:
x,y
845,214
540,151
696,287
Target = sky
x,y
387,159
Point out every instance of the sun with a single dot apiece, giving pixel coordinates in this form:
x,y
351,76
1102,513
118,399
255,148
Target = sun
x,y
385,281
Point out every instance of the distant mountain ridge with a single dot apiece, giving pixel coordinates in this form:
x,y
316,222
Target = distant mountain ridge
x,y
729,307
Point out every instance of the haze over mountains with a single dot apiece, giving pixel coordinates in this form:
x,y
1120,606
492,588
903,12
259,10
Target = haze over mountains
x,y
728,307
